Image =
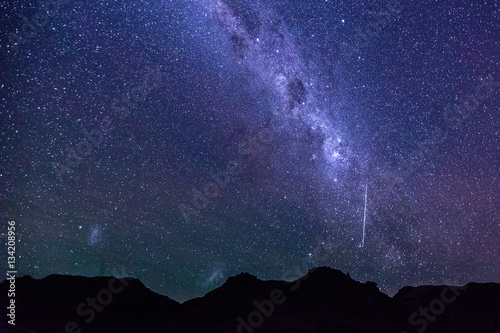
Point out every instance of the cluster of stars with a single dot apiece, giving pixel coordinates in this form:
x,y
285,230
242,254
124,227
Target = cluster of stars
x,y
232,71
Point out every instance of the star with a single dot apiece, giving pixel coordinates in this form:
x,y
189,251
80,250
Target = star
x,y
189,141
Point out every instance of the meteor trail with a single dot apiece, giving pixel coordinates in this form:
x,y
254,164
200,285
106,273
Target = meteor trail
x,y
364,215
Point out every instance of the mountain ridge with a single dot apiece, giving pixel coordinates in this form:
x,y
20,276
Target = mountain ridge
x,y
323,300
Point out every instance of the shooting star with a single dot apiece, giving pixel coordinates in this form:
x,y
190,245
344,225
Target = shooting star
x,y
364,215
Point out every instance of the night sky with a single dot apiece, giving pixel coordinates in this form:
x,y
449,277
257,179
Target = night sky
x,y
182,142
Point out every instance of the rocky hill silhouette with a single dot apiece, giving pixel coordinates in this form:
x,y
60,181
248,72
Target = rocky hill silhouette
x,y
324,300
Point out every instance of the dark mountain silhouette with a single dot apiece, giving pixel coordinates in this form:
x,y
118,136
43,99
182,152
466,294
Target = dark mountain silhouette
x,y
324,300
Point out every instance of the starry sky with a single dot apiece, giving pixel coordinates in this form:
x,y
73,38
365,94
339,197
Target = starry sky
x,y
182,142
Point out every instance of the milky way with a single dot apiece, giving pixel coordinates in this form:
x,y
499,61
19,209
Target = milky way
x,y
181,142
